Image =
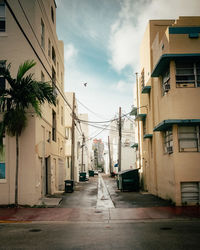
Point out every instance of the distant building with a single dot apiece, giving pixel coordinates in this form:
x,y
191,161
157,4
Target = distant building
x,y
72,146
168,114
28,31
98,149
128,154
84,144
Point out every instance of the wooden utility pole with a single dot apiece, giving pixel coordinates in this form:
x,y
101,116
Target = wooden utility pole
x,y
73,138
83,141
120,139
110,163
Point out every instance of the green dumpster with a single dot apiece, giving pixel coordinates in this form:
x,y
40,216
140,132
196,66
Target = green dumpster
x,y
91,173
82,176
128,180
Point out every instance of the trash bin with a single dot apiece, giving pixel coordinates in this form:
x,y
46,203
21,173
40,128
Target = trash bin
x,y
128,180
69,186
82,176
91,173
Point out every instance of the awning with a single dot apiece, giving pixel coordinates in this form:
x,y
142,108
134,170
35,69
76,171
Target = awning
x,y
146,89
146,136
166,58
166,124
135,145
140,117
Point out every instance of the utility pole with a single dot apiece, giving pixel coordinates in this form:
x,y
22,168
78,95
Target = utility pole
x,y
83,141
120,140
137,89
73,138
110,163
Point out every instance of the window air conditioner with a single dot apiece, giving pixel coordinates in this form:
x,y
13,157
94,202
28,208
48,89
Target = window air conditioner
x,y
166,87
169,150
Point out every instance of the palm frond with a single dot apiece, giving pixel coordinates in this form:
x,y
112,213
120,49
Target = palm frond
x,y
14,121
23,68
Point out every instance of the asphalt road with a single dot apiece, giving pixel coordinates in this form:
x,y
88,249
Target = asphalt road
x,y
137,221
84,195
173,235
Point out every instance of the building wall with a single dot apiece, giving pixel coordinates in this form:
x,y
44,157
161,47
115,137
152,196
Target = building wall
x,y
163,173
23,42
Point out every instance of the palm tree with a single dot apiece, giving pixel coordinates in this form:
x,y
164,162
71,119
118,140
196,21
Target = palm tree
x,y
23,93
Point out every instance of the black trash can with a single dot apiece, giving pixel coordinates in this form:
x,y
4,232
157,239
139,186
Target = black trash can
x,y
91,173
82,176
69,186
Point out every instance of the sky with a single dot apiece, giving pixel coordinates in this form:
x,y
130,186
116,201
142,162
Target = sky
x,y
101,43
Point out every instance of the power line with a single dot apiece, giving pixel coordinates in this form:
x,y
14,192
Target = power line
x,y
115,119
98,115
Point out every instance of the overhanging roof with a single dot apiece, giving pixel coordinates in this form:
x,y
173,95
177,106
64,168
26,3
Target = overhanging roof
x,y
166,58
135,145
166,124
146,136
140,117
146,89
184,30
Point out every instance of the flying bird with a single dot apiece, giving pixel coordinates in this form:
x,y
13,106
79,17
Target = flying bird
x,y
85,84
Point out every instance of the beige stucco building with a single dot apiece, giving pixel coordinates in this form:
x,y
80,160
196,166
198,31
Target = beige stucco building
x,y
128,153
72,132
168,91
28,31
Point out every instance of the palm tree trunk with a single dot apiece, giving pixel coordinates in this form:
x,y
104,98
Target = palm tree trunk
x,y
17,170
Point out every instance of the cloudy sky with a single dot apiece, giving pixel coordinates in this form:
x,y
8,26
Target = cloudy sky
x,y
102,40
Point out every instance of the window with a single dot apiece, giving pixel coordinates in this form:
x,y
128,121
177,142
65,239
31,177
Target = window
x,y
187,74
49,48
2,79
168,141
58,107
2,162
142,79
53,55
58,68
54,82
166,81
61,79
62,118
52,14
68,133
188,137
42,77
42,34
2,16
53,125
144,126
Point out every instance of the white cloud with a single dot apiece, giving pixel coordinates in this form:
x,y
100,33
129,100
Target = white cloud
x,y
127,31
122,87
70,53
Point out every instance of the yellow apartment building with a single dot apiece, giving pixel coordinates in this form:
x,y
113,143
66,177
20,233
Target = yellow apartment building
x,y
28,31
168,116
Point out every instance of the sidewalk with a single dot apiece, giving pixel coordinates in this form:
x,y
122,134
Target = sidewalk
x,y
96,215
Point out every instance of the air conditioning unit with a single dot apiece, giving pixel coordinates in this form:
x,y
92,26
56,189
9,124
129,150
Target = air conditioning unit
x,y
169,150
166,87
